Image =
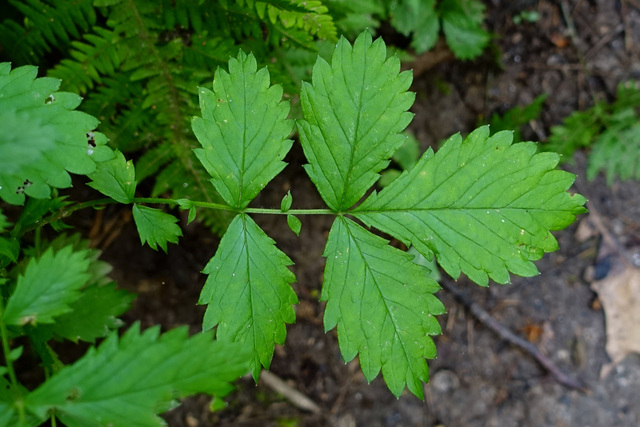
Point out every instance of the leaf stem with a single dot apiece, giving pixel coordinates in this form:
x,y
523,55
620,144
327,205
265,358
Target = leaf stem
x,y
291,211
12,374
68,210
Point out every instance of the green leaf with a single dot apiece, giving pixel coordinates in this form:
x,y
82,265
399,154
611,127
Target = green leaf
x,y
243,130
462,26
42,138
94,314
7,404
517,117
286,202
383,305
420,18
15,353
4,223
48,287
156,227
483,206
354,114
115,178
294,224
138,375
7,414
9,250
617,150
192,215
248,291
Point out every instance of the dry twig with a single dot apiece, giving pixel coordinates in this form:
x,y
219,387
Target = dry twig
x,y
486,319
292,395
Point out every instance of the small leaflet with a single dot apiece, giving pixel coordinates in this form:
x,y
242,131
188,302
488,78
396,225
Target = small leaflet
x,y
156,227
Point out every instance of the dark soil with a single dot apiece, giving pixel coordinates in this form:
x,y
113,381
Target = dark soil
x,y
577,52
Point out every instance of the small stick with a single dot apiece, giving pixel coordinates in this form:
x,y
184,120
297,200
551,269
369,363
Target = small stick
x,y
486,319
294,396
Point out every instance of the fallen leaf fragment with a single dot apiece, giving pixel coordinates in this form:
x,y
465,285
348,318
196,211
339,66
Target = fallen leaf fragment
x,y
619,293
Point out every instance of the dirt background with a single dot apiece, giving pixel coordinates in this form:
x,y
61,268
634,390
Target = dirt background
x,y
577,52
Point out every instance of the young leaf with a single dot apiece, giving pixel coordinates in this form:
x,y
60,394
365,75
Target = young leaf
x,y
243,130
383,304
156,227
248,291
483,206
139,375
354,114
286,202
115,178
294,224
48,287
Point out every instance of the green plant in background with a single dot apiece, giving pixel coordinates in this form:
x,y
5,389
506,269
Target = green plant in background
x,y
59,290
530,16
610,130
517,117
421,20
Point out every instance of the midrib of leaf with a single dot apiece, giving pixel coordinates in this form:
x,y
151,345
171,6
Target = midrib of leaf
x,y
174,102
353,150
248,285
478,192
382,296
244,149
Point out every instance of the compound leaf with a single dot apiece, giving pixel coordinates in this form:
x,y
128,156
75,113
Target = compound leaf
x,y
248,291
156,227
243,130
48,287
383,305
354,113
483,206
139,374
115,178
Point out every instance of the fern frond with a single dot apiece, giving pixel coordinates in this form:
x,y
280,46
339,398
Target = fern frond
x,y
310,16
99,56
47,24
